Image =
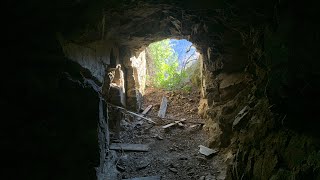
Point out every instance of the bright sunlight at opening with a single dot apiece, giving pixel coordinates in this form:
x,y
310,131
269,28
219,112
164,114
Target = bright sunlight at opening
x,y
173,64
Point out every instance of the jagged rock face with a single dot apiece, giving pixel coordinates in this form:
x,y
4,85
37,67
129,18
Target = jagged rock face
x,y
94,56
51,132
139,73
245,53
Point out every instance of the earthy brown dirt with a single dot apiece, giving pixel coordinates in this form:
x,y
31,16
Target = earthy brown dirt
x,y
173,153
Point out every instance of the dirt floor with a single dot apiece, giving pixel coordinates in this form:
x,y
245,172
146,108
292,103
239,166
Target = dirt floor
x,y
174,153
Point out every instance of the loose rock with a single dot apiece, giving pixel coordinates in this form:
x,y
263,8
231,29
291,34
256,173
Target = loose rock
x,y
173,170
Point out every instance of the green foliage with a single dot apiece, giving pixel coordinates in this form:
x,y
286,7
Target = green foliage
x,y
195,74
166,66
187,88
166,73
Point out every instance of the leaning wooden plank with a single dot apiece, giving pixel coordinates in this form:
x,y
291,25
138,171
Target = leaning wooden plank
x,y
145,178
145,111
163,107
129,147
148,119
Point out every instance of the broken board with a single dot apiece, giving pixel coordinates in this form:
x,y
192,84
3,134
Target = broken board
x,y
145,111
172,124
163,107
129,147
207,151
145,178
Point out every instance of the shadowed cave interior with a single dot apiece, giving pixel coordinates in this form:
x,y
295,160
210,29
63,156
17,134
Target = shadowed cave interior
x,y
67,62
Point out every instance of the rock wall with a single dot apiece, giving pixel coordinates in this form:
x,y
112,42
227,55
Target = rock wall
x,y
96,56
52,132
150,67
245,101
139,73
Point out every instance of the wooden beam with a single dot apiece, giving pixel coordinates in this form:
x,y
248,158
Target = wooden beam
x,y
145,111
148,119
129,147
138,115
172,124
172,119
163,107
146,178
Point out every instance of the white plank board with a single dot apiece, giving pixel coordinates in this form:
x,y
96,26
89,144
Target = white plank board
x,y
129,147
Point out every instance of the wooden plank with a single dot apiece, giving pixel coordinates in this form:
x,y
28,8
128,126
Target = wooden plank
x,y
145,111
172,124
148,119
163,107
129,147
145,178
166,118
138,115
168,125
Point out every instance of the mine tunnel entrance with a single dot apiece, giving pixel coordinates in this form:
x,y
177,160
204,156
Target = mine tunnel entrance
x,y
165,137
258,91
244,92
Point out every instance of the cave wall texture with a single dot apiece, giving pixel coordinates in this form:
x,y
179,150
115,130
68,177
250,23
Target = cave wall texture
x,y
260,81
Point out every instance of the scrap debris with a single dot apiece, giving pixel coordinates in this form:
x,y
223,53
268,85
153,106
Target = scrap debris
x,y
173,170
143,165
150,147
173,124
121,168
206,151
